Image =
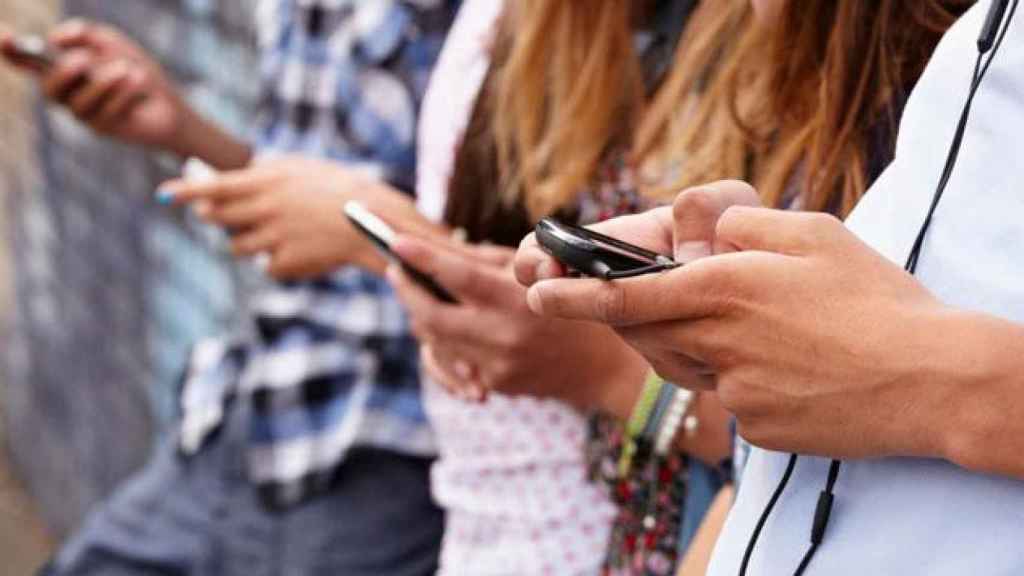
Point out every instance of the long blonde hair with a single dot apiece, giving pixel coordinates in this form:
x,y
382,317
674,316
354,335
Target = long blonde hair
x,y
800,101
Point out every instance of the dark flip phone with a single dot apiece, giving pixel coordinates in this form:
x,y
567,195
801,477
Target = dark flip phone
x,y
596,255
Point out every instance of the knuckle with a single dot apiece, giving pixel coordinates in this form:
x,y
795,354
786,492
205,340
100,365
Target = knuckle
x,y
731,222
694,201
610,303
716,286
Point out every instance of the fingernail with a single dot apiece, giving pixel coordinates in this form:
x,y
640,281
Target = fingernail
x,y
547,270
165,196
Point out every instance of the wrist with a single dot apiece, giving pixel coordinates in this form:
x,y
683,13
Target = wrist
x,y
980,386
199,138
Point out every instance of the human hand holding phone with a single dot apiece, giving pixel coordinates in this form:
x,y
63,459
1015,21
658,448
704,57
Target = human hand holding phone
x,y
290,207
113,86
492,342
687,230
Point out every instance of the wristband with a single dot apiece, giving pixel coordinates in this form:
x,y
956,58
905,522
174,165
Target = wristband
x,y
639,419
675,417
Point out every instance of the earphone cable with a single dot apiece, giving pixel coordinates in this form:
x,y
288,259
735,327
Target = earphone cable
x,y
981,68
752,543
826,499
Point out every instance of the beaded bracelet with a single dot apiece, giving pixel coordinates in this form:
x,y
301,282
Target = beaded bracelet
x,y
639,420
675,417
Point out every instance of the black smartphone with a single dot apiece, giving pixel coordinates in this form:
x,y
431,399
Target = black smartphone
x,y
34,50
593,254
382,236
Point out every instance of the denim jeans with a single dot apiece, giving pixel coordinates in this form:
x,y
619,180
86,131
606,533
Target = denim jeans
x,y
200,517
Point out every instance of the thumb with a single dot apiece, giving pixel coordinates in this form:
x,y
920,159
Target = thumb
x,y
696,212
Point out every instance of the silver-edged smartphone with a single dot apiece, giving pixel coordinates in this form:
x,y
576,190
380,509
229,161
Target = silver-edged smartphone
x,y
383,237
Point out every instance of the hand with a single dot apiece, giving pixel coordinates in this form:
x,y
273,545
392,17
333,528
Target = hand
x,y
110,84
491,341
819,344
291,208
113,86
686,230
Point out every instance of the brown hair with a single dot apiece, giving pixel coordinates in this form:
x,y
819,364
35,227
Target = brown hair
x,y
808,103
804,97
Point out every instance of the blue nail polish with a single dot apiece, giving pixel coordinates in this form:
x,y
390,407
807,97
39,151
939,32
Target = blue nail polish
x,y
164,196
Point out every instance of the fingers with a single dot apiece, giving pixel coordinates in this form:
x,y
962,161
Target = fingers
x,y
696,213
75,33
454,375
67,76
709,287
497,256
117,108
241,212
288,263
105,82
257,241
651,230
434,320
218,189
782,232
466,277
687,353
532,264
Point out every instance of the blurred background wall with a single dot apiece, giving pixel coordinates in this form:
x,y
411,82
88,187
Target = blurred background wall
x,y
24,541
101,291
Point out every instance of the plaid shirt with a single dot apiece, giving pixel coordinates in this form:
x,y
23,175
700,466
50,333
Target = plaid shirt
x,y
331,364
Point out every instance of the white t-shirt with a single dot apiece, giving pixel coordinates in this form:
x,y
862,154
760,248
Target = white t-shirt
x,y
511,474
904,516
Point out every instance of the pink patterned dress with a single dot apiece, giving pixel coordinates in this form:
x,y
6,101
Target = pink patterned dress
x,y
511,474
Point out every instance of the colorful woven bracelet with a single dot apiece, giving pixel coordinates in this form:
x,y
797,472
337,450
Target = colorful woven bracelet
x,y
638,421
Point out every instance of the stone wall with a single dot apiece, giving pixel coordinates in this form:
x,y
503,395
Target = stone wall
x,y
24,542
108,289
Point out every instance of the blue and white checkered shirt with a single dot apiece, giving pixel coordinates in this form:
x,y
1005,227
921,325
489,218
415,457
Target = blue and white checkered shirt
x,y
332,365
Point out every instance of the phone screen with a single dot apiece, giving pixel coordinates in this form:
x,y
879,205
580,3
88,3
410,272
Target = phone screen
x,y
383,236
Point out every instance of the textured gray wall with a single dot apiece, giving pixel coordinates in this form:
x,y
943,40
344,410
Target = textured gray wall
x,y
109,289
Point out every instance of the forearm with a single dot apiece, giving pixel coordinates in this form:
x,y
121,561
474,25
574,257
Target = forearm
x,y
202,139
698,556
979,409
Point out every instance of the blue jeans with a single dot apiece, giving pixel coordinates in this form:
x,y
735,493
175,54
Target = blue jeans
x,y
200,517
